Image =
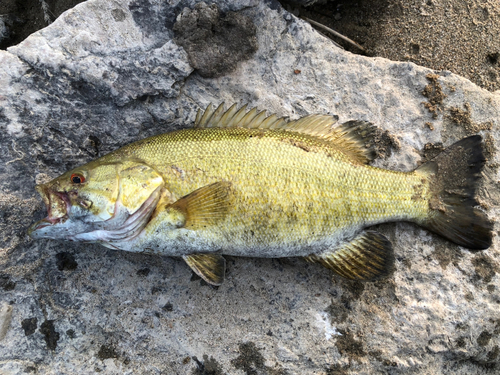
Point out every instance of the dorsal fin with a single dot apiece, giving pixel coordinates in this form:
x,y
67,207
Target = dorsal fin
x,y
237,118
353,138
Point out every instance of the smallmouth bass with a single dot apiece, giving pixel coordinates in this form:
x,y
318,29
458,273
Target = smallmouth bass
x,y
243,184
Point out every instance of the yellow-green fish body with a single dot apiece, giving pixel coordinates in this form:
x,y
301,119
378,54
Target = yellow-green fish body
x,y
243,184
282,199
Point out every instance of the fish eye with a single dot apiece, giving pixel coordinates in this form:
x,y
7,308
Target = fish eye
x,y
77,178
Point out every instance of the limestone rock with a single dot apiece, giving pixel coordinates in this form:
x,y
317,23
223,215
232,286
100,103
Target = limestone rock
x,y
107,73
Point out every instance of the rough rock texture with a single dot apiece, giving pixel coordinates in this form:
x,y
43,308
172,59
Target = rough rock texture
x,y
215,42
107,73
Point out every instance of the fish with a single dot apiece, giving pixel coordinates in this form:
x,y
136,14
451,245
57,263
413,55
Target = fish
x,y
242,183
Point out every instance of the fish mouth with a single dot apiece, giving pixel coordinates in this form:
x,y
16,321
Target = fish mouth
x,y
58,206
121,227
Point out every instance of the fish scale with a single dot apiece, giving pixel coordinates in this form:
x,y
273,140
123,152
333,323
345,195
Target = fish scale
x,y
240,183
301,197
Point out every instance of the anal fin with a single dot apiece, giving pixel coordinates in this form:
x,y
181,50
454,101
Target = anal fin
x,y
369,256
210,267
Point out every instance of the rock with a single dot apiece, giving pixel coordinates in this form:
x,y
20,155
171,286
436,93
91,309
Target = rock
x,y
5,318
107,73
215,43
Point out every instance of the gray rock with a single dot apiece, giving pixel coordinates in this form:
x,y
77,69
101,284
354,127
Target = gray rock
x,y
5,318
107,73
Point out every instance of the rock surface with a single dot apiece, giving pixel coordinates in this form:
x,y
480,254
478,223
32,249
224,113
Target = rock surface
x,y
107,73
459,36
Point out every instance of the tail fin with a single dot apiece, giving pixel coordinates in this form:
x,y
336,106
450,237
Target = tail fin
x,y
454,176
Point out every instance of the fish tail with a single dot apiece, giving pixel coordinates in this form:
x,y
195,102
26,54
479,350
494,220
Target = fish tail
x,y
453,177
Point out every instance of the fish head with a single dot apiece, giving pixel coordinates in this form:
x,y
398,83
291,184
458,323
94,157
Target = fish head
x,y
90,202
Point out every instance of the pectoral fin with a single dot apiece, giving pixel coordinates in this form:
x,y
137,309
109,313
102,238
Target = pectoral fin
x,y
369,256
210,267
205,206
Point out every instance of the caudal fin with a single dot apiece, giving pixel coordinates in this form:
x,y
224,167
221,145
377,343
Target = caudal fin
x,y
454,176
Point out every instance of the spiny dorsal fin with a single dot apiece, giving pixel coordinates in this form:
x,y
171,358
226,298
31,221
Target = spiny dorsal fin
x,y
236,118
369,256
210,267
352,138
205,206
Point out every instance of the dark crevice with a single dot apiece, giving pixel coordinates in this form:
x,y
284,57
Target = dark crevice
x,y
21,18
